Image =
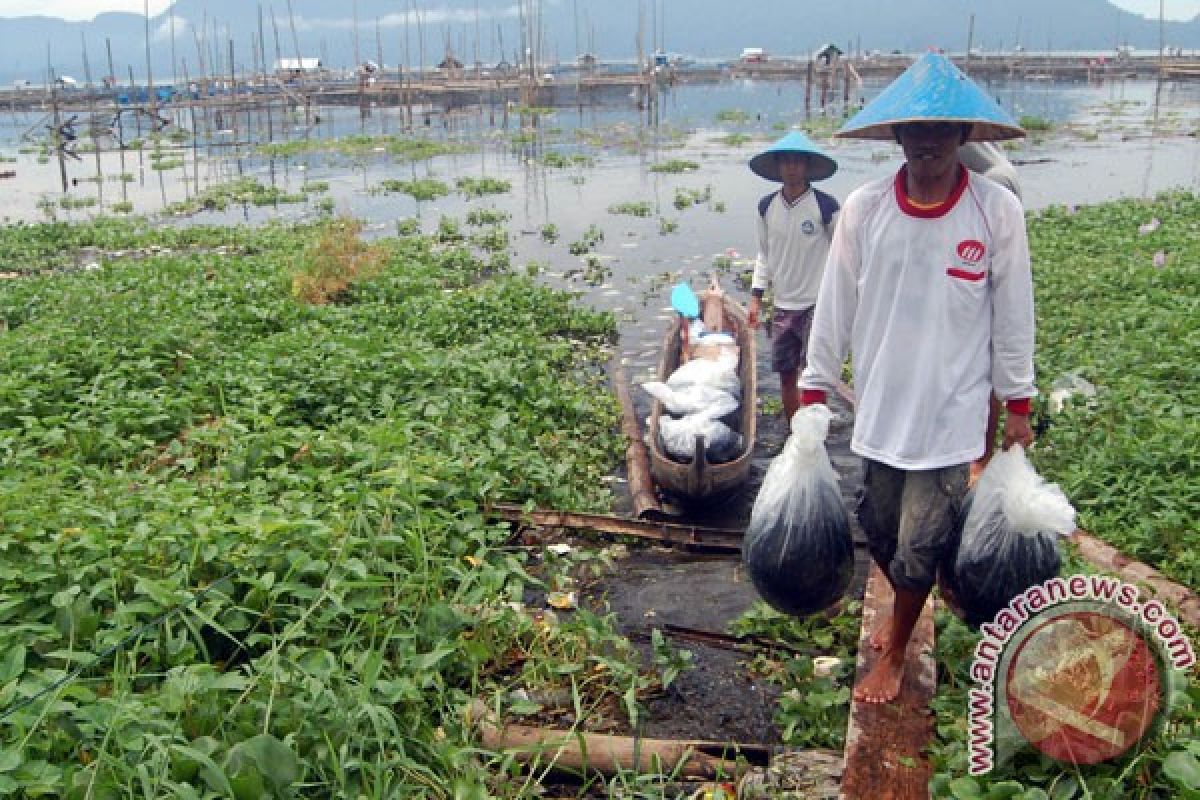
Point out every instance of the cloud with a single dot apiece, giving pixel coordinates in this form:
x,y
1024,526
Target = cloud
x,y
163,32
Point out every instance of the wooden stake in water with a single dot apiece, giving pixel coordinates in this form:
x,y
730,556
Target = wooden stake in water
x,y
112,76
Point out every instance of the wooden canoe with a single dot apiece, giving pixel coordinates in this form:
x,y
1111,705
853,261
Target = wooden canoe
x,y
698,480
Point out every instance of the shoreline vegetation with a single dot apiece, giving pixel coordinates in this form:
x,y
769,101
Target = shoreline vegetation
x,y
245,479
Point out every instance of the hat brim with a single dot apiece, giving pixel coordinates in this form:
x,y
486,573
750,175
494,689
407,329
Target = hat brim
x,y
981,130
766,166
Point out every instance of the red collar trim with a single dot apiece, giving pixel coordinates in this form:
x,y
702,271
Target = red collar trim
x,y
928,212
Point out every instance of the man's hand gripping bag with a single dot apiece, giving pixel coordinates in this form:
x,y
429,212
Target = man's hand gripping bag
x,y
1011,523
798,548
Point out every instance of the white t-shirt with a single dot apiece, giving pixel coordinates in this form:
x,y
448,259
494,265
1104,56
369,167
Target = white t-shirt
x,y
937,311
792,247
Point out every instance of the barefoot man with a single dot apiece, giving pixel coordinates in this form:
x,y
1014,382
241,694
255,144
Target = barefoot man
x,y
928,288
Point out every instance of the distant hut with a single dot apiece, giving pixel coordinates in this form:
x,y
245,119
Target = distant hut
x,y
827,55
294,68
753,55
451,66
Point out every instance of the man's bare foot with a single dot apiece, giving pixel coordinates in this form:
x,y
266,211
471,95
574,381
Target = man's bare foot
x,y
882,684
881,634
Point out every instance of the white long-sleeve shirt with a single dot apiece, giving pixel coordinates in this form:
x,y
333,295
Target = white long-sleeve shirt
x,y
937,312
792,247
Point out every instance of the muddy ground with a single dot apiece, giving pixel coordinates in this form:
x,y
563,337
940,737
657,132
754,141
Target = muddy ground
x,y
719,698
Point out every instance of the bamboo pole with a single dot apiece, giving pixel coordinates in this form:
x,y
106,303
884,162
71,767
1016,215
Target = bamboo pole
x,y
112,75
583,752
641,486
691,537
91,102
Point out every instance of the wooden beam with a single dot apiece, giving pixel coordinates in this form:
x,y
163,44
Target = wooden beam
x,y
582,752
885,742
637,463
692,537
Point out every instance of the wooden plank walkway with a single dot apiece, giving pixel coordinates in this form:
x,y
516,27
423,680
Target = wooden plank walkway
x,y
885,742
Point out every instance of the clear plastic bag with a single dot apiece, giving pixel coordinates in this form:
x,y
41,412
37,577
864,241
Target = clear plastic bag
x,y
1011,523
696,398
797,548
721,443
720,374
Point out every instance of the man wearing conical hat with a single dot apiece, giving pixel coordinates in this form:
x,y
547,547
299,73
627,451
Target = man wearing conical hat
x,y
928,287
795,225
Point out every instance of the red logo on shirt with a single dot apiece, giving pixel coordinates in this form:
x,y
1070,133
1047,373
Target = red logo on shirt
x,y
971,251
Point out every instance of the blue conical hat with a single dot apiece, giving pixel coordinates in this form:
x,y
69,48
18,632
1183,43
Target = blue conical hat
x,y
820,166
932,89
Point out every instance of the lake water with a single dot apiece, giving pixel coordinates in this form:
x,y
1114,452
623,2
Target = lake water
x,y
1108,141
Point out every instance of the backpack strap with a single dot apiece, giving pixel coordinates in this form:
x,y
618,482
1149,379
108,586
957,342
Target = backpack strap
x,y
828,205
765,202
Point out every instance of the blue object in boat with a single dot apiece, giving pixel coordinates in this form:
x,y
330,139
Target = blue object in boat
x,y
684,300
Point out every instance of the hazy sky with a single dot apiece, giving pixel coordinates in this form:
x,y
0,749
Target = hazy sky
x,y
86,9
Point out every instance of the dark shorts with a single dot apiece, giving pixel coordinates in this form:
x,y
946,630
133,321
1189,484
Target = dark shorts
x,y
789,339
909,518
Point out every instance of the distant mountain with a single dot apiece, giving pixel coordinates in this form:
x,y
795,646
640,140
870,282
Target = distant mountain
x,y
491,29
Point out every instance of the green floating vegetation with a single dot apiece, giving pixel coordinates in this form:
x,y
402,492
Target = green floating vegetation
x,y
418,188
675,166
591,239
487,216
478,187
238,192
259,525
410,149
734,139
1109,312
686,198
75,203
559,160
734,116
632,208
1033,123
814,706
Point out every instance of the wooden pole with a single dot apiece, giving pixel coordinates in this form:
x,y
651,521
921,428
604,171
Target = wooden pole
x,y
57,137
232,89
641,486
112,75
970,43
808,81
579,751
149,69
87,73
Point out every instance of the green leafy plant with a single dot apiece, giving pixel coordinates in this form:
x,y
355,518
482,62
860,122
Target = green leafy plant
x,y
634,209
675,166
477,187
418,189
